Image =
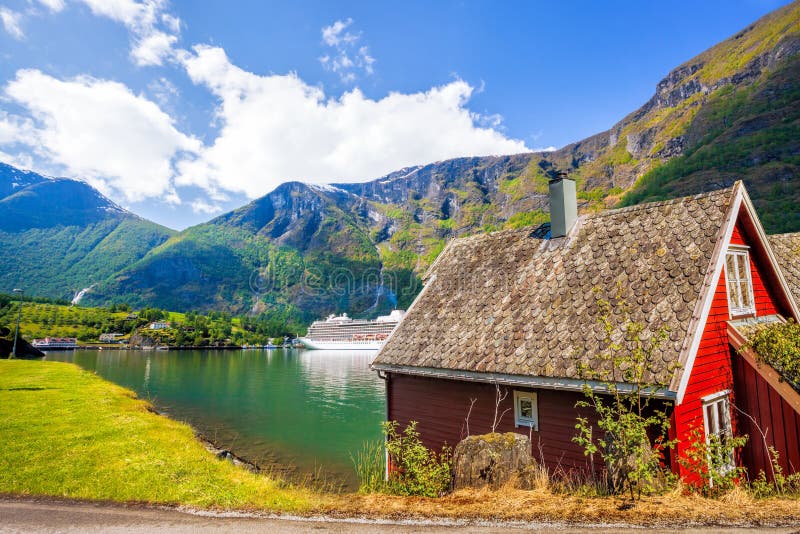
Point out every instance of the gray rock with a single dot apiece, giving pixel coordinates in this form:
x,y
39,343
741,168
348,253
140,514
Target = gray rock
x,y
490,459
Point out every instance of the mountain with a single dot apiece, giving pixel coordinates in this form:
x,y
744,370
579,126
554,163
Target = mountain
x,y
731,112
307,250
60,236
302,251
297,250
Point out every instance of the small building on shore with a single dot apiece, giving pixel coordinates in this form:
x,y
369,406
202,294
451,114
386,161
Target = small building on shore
x,y
159,325
110,337
507,320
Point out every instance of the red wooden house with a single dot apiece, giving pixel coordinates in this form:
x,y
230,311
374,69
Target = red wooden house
x,y
517,310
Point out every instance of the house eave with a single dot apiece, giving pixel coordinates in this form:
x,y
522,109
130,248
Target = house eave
x,y
699,317
537,382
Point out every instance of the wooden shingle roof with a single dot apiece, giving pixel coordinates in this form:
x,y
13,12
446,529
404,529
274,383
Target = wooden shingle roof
x,y
516,303
786,248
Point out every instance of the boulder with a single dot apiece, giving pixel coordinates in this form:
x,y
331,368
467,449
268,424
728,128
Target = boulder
x,y
490,459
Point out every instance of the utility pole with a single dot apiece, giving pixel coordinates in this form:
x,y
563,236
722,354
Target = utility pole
x,y
16,332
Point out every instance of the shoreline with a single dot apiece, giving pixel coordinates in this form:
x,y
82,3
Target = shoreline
x,y
160,461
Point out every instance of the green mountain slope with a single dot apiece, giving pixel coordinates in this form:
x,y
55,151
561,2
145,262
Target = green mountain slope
x,y
60,236
297,250
730,113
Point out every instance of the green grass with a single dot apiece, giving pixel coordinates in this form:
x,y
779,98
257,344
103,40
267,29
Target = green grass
x,y
370,466
527,218
42,320
68,433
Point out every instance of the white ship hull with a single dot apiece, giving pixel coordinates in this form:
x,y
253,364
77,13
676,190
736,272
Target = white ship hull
x,y
341,345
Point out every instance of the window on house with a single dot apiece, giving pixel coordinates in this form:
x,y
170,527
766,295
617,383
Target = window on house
x,y
717,418
526,411
740,285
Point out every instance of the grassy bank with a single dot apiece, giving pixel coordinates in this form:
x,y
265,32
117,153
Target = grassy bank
x,y
68,433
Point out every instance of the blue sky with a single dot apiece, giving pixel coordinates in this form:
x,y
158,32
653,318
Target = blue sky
x,y
181,110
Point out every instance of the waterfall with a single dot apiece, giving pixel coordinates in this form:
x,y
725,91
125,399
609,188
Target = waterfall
x,y
79,295
382,290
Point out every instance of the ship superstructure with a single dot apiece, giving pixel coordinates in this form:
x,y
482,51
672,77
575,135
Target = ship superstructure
x,y
56,343
345,333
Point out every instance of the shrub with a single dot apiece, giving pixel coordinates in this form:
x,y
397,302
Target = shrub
x,y
625,416
778,345
709,461
415,470
781,485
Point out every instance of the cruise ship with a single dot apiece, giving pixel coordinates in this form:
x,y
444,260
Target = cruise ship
x,y
344,333
56,343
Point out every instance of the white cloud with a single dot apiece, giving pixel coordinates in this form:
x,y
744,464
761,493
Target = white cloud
x,y
12,22
203,207
128,12
15,130
54,6
100,131
493,120
272,128
152,50
277,128
346,57
153,32
20,161
172,22
332,35
545,149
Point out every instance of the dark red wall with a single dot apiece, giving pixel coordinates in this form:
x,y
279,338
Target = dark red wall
x,y
440,408
773,416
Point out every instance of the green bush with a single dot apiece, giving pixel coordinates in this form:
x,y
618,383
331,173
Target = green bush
x,y
708,460
415,470
778,345
781,484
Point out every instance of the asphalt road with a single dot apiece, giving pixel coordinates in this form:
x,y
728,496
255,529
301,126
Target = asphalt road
x,y
49,516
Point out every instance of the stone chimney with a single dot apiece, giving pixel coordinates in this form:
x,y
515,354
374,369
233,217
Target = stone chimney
x,y
563,205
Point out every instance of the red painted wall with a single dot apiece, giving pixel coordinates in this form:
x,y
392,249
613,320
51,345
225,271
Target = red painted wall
x,y
772,416
440,408
713,367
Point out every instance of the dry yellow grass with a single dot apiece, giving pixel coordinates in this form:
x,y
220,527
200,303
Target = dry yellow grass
x,y
670,510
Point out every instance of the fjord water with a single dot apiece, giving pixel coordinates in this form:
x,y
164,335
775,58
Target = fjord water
x,y
281,408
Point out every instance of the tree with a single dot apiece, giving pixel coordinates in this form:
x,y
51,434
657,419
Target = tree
x,y
628,369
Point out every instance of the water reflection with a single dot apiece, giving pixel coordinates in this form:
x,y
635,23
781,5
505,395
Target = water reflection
x,y
307,408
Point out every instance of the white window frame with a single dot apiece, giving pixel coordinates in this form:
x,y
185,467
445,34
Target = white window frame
x,y
716,427
519,420
736,278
